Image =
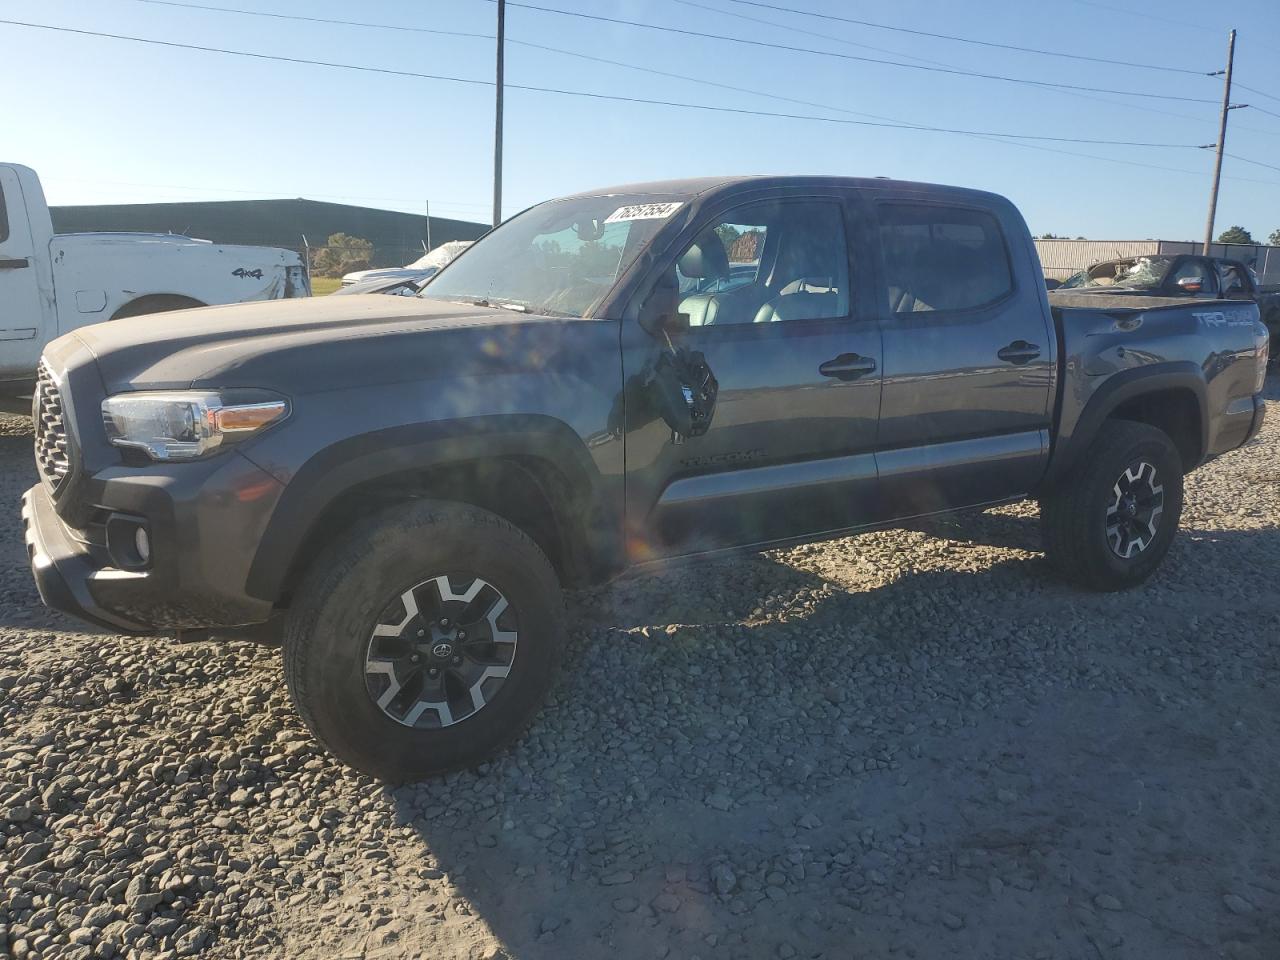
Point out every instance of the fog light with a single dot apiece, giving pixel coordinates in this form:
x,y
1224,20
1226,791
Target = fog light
x,y
142,542
128,541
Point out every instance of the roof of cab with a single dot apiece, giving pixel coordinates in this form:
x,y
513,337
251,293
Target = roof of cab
x,y
695,186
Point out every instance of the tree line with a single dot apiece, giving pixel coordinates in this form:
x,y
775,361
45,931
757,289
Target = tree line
x,y
1233,234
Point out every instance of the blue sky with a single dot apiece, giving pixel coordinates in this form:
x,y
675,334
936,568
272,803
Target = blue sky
x,y
105,121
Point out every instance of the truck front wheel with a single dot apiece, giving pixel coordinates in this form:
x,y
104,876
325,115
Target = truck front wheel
x,y
1109,523
424,640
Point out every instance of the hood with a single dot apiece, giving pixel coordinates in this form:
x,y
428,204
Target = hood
x,y
307,345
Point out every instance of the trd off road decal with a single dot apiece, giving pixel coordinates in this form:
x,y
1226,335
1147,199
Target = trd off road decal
x,y
1224,318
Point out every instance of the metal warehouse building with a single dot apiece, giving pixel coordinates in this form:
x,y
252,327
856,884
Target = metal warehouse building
x,y
397,238
1061,258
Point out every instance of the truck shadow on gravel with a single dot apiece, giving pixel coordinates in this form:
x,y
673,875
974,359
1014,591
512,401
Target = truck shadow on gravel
x,y
734,762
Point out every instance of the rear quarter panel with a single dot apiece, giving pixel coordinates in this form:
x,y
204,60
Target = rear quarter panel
x,y
1117,346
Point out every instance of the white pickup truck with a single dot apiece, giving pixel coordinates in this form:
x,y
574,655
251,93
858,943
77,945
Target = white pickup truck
x,y
52,283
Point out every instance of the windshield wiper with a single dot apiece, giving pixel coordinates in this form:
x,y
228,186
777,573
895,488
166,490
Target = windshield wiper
x,y
503,304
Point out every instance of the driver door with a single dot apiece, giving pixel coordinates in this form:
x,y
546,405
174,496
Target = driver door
x,y
21,307
781,314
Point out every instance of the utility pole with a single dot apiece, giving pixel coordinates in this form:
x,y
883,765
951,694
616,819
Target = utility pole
x,y
428,205
1221,145
497,126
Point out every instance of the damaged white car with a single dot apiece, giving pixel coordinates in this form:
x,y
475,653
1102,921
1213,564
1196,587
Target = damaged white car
x,y
53,283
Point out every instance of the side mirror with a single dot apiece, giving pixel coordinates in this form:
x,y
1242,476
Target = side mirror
x,y
1190,284
659,313
1051,284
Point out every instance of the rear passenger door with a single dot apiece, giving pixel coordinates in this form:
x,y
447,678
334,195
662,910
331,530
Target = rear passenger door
x,y
969,357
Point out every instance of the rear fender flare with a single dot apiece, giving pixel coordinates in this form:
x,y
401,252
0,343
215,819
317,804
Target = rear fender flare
x,y
1074,440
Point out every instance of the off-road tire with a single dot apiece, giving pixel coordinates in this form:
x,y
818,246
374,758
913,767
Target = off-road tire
x,y
339,601
1073,516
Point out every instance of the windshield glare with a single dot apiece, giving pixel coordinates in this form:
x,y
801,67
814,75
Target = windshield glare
x,y
558,258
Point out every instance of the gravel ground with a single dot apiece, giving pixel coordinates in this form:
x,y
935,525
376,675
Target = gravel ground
x,y
912,743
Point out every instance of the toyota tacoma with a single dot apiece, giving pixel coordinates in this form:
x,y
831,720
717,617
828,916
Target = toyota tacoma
x,y
610,382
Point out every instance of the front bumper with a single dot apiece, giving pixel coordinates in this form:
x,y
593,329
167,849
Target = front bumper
x,y
204,521
61,566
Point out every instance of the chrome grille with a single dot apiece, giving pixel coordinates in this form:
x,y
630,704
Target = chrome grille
x,y
53,456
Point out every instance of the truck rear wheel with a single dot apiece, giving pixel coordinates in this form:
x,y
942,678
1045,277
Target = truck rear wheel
x,y
1108,524
424,640
157,303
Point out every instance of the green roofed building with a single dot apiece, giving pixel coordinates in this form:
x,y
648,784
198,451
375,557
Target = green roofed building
x,y
398,238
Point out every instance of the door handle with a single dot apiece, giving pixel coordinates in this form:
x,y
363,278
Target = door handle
x,y
1019,352
847,366
14,264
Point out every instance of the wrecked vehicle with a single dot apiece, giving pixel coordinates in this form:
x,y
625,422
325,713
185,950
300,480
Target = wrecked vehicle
x,y
418,272
1185,275
53,283
614,381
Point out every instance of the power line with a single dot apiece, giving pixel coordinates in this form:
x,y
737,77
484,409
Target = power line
x,y
1068,93
993,137
1261,93
486,36
1112,8
792,29
1269,113
849,56
587,94
619,63
827,106
1257,163
981,43
325,20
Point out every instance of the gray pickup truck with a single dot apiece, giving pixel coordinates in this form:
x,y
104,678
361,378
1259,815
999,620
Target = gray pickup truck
x,y
609,382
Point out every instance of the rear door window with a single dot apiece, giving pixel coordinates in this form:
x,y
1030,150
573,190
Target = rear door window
x,y
941,258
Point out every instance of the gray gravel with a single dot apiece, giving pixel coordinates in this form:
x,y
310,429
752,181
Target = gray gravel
x,y
913,743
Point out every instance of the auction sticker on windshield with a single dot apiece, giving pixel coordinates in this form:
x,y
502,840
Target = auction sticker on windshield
x,y
644,211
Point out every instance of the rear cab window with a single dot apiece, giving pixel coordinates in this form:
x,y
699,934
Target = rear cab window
x,y
941,258
1195,276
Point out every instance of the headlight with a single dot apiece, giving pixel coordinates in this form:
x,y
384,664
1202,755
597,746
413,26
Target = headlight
x,y
186,425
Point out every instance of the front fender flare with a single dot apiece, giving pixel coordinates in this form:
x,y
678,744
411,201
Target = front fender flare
x,y
396,451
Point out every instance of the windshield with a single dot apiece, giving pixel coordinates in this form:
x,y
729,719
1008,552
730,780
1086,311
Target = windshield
x,y
558,258
440,256
1140,273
